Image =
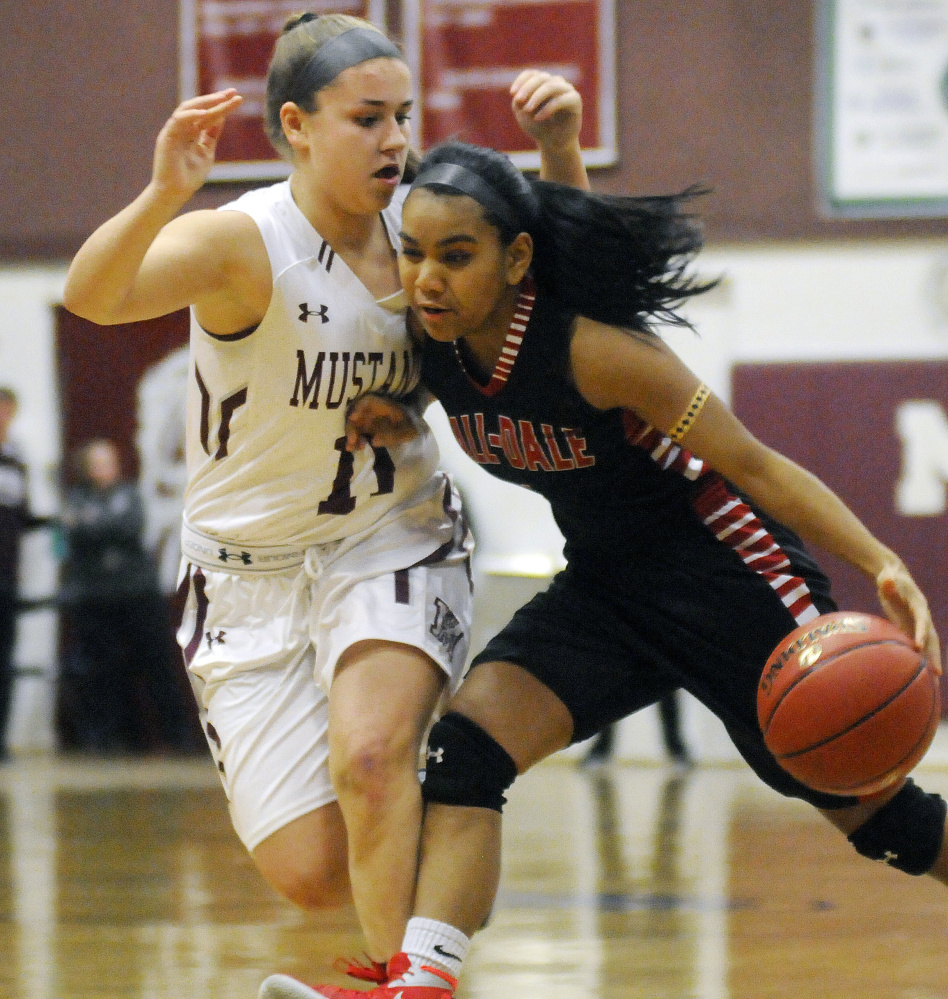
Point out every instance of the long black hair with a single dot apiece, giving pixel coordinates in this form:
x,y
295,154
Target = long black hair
x,y
620,260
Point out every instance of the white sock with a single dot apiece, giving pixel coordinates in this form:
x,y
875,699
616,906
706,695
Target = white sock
x,y
429,943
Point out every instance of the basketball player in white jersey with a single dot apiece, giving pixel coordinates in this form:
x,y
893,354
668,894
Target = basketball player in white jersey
x,y
328,596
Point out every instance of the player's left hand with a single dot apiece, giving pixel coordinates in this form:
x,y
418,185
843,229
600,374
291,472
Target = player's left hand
x,y
381,422
905,605
547,107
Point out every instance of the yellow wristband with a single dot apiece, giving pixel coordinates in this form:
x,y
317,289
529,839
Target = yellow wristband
x,y
690,414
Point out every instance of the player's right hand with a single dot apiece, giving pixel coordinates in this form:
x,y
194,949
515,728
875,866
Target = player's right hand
x,y
184,150
547,107
905,605
380,421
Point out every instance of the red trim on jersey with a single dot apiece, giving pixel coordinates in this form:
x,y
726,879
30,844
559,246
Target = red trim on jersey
x,y
735,524
511,348
668,455
732,520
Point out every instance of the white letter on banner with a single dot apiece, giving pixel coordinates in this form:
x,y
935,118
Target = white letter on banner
x,y
922,427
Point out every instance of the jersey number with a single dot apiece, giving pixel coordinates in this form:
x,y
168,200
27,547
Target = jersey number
x,y
341,500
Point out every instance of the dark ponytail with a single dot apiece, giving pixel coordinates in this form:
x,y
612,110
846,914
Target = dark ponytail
x,y
616,259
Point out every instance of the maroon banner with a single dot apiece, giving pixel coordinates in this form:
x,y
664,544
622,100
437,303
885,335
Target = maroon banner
x,y
228,43
127,383
466,53
877,434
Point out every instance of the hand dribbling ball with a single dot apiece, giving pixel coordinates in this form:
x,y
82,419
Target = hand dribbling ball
x,y
847,704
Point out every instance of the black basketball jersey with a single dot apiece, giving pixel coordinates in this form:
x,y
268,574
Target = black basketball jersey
x,y
616,485
611,479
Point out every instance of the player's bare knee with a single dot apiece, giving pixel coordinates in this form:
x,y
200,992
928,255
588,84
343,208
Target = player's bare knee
x,y
372,765
907,832
314,886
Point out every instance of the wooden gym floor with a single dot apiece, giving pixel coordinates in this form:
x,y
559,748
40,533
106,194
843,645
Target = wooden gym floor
x,y
123,880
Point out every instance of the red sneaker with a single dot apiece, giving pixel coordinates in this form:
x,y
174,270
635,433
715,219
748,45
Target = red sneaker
x,y
405,992
374,971
397,967
285,987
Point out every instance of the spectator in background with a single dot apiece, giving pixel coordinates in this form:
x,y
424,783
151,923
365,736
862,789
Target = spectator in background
x,y
123,652
15,518
602,748
161,401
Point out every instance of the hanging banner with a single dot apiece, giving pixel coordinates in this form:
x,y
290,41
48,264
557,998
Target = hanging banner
x,y
466,53
127,383
876,432
228,43
883,107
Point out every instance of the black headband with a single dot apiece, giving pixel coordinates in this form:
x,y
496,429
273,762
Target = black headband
x,y
467,182
350,48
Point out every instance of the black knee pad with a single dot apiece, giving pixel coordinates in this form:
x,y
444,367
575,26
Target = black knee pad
x,y
466,766
906,833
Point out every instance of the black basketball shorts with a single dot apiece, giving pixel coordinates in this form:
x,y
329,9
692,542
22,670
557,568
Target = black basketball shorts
x,y
609,639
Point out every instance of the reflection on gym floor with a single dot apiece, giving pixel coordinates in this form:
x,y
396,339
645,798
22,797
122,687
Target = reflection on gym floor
x,y
124,880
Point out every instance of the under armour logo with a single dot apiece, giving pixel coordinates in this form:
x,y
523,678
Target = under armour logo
x,y
225,556
888,857
435,754
306,312
211,639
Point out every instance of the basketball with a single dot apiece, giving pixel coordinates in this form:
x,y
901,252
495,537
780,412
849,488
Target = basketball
x,y
847,705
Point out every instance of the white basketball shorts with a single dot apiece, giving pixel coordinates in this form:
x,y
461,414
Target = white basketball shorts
x,y
261,650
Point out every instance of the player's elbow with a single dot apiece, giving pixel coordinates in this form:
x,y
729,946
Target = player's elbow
x,y
81,302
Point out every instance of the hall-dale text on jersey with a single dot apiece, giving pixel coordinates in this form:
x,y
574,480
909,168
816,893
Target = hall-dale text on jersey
x,y
331,379
523,444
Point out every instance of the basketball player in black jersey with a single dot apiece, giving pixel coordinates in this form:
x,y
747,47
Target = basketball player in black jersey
x,y
685,565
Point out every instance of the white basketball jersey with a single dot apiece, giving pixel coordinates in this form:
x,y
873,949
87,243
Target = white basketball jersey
x,y
266,408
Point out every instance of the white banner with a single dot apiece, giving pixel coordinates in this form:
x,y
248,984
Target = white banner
x,y
884,107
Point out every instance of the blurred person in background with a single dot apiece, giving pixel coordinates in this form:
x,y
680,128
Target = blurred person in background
x,y
15,518
602,748
119,688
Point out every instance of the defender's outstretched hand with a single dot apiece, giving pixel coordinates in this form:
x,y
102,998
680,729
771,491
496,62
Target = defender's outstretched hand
x,y
184,150
548,108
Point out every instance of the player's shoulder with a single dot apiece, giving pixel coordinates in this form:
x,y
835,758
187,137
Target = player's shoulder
x,y
259,199
211,227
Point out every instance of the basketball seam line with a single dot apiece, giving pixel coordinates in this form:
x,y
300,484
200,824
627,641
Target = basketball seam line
x,y
825,661
922,666
853,788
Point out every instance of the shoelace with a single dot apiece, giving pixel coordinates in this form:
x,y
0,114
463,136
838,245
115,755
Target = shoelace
x,y
374,971
450,979
401,963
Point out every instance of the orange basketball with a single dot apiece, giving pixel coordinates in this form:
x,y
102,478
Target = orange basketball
x,y
847,705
